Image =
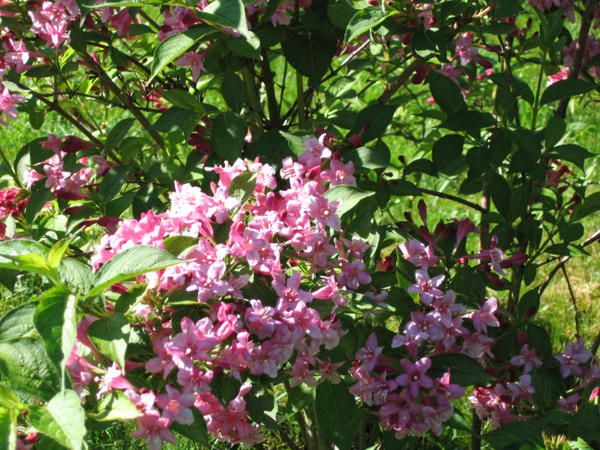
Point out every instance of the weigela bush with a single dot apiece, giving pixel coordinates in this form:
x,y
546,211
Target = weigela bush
x,y
312,223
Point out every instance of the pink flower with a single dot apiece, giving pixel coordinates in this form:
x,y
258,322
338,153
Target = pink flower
x,y
7,105
17,55
195,60
193,343
370,353
51,19
426,287
112,379
528,358
353,274
176,405
417,253
574,356
414,376
155,429
485,316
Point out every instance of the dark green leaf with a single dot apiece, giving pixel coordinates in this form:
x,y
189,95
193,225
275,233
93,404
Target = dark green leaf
x,y
363,21
337,414
516,433
25,368
310,53
446,93
118,133
572,153
463,370
228,134
17,323
565,88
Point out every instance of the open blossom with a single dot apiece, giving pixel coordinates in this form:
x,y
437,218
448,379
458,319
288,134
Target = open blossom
x,y
155,429
50,20
417,253
414,376
485,316
8,104
528,358
573,357
194,60
427,287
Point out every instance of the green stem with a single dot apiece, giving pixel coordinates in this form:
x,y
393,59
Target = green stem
x,y
300,100
538,91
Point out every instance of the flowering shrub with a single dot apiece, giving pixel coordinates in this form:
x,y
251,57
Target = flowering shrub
x,y
318,223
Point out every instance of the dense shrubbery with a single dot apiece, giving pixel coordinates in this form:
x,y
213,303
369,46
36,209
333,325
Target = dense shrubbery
x,y
227,239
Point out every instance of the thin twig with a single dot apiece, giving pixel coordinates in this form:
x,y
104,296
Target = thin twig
x,y
117,92
398,82
573,301
57,108
267,75
462,201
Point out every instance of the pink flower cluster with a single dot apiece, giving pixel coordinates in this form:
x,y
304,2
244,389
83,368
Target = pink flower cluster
x,y
406,399
440,324
12,202
50,20
285,239
63,183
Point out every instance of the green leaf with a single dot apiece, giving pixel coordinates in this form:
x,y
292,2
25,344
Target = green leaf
x,y
262,407
363,21
500,193
131,263
367,158
112,182
518,432
447,153
183,100
295,143
446,93
57,252
116,406
25,367
572,153
337,414
554,131
17,323
110,336
233,91
242,186
76,275
62,420
299,397
372,121
463,370
196,432
118,133
565,88
347,196
8,429
56,321
228,134
310,53
175,46
178,244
